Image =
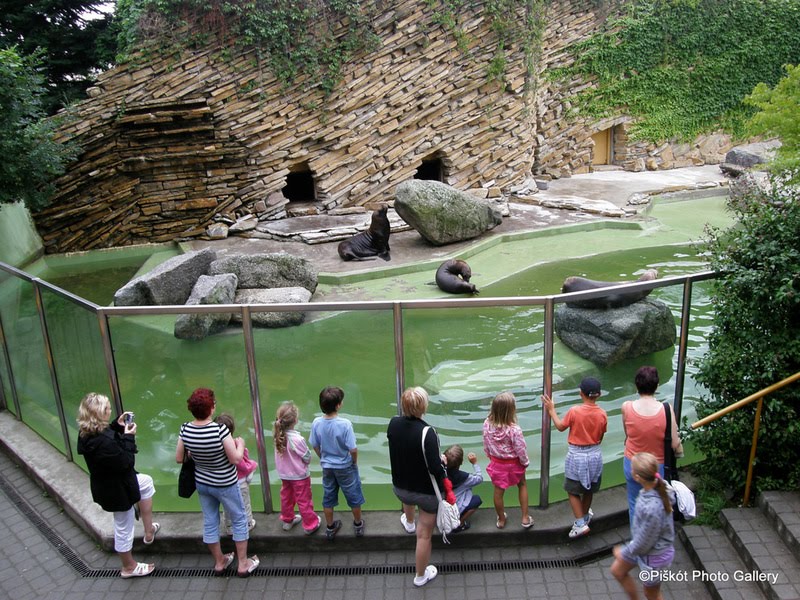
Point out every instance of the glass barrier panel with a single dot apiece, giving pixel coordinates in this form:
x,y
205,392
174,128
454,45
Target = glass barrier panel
x,y
157,373
464,358
353,350
5,376
77,354
28,362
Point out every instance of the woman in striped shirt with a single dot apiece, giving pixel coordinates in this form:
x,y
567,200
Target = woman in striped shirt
x,y
216,454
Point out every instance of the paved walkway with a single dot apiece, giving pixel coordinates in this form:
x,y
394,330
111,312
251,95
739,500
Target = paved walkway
x,y
46,556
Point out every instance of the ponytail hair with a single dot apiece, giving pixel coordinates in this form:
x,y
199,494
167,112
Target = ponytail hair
x,y
285,418
645,465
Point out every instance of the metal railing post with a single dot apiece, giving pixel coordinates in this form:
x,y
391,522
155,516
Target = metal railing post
x,y
683,344
51,364
399,354
108,357
11,383
547,388
751,463
255,397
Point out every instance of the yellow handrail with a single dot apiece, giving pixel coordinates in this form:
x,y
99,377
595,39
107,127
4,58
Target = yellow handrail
x,y
756,424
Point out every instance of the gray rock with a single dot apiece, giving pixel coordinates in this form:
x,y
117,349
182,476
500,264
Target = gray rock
x,y
209,289
284,295
751,155
268,270
607,336
217,231
442,214
171,282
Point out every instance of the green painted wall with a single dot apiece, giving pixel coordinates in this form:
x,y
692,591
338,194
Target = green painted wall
x,y
19,241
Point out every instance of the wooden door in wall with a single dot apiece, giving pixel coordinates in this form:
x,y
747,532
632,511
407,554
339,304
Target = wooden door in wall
x,y
602,147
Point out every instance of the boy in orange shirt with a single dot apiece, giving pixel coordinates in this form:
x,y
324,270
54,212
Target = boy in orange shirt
x,y
583,467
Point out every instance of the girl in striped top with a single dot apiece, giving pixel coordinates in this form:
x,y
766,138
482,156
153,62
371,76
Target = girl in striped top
x,y
216,454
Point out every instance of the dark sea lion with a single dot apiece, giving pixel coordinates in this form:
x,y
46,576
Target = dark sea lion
x,y
612,300
453,276
370,243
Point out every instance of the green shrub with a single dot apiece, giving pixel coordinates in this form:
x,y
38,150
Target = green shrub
x,y
756,339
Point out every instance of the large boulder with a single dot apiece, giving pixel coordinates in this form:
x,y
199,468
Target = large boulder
x,y
209,289
260,271
442,214
742,158
606,336
285,295
171,282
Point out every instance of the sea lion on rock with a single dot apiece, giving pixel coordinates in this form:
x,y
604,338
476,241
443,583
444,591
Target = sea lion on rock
x,y
370,243
612,300
453,275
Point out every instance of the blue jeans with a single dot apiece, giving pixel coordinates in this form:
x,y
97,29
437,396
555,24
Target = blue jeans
x,y
633,487
231,498
348,480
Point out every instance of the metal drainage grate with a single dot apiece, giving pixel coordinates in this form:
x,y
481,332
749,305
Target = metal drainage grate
x,y
84,570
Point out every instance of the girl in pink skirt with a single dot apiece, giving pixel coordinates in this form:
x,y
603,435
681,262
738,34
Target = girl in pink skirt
x,y
505,446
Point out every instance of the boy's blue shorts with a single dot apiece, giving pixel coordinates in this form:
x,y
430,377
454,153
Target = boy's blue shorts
x,y
348,480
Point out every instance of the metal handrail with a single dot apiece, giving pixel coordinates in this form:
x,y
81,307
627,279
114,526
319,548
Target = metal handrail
x,y
103,313
759,395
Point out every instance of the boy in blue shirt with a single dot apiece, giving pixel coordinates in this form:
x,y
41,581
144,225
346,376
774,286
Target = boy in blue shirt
x,y
334,441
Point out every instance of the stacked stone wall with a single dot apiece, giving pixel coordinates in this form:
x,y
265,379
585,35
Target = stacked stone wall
x,y
172,143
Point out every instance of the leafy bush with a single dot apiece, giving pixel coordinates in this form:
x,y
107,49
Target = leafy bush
x,y
31,158
779,115
756,338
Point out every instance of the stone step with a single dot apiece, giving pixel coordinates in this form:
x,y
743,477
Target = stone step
x,y
783,511
716,563
761,548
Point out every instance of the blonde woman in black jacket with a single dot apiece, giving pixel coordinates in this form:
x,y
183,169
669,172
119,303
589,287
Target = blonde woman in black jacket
x,y
109,448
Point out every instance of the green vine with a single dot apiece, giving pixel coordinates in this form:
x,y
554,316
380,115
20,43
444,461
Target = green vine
x,y
683,67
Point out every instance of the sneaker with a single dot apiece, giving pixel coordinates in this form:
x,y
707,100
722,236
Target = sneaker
x,y
313,530
430,573
330,531
578,530
251,524
359,529
409,527
463,527
287,526
588,516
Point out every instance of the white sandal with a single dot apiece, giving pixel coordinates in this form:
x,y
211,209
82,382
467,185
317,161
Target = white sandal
x,y
141,570
156,527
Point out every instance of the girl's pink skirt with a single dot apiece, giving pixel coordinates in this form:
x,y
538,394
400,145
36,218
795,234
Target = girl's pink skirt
x,y
505,472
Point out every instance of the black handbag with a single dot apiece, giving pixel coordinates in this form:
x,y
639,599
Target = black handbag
x,y
670,462
186,482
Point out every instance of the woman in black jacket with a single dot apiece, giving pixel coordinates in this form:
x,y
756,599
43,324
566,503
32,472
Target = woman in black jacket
x,y
109,449
411,475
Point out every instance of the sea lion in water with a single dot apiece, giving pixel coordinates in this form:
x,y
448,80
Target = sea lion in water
x,y
612,300
453,276
370,243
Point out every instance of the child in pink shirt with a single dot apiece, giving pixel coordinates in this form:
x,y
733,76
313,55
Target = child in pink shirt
x,y
292,457
505,446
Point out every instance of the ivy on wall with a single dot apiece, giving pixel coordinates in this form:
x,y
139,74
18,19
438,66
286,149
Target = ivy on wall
x,y
296,37
291,36
684,67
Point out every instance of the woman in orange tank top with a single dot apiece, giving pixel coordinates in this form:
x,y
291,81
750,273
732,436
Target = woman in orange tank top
x,y
644,424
